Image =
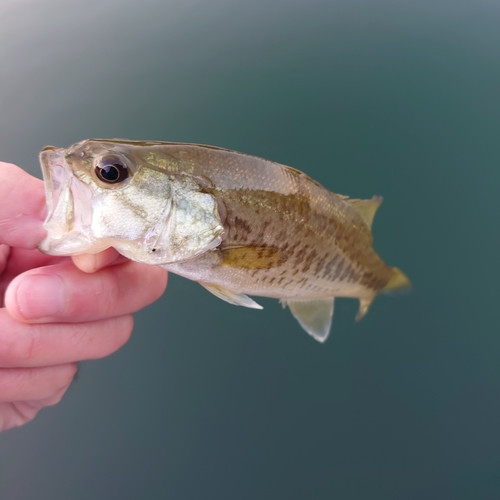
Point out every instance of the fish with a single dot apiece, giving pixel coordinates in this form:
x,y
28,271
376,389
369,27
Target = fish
x,y
237,224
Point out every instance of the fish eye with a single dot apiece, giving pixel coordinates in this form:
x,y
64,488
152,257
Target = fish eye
x,y
111,171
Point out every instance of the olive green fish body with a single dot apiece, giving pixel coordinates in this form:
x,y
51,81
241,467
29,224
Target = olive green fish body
x,y
238,224
297,239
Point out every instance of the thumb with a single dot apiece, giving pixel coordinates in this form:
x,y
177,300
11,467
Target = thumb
x,y
22,207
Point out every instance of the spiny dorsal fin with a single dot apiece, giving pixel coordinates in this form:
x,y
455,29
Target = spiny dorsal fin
x,y
367,208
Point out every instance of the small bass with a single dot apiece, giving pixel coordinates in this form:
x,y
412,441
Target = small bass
x,y
237,224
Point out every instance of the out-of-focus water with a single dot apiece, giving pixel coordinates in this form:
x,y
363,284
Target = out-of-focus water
x,y
398,98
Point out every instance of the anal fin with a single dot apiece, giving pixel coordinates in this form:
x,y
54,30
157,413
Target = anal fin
x,y
364,305
314,316
237,299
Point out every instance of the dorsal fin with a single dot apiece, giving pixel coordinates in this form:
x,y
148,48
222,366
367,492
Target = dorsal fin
x,y
367,208
399,282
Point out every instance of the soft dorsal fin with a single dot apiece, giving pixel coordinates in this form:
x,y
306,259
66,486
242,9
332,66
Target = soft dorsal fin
x,y
399,282
314,316
367,208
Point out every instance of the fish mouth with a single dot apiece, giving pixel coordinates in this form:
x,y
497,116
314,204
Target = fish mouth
x,y
62,192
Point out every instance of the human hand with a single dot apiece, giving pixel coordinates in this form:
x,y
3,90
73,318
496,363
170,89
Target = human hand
x,y
55,311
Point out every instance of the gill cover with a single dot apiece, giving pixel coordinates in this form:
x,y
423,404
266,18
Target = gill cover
x,y
187,224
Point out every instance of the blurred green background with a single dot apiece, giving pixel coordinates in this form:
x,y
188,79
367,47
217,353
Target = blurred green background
x,y
211,401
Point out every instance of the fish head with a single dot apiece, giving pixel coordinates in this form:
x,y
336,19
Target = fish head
x,y
102,193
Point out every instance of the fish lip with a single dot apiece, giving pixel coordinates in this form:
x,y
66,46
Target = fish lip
x,y
66,235
55,173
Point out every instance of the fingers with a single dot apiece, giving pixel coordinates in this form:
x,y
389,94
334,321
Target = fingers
x,y
90,263
64,293
29,384
21,260
22,207
4,257
24,345
19,413
18,260
46,385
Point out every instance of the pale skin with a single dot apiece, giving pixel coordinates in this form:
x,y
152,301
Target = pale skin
x,y
56,311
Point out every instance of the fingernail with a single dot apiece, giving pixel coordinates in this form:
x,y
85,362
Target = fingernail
x,y
40,296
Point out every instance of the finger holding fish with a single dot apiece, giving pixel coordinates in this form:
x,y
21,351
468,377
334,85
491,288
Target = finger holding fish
x,y
90,263
23,207
64,293
38,353
15,261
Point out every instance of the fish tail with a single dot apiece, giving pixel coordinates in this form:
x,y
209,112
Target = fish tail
x,y
398,282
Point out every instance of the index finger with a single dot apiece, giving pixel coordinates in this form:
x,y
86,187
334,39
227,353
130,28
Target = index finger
x,y
22,207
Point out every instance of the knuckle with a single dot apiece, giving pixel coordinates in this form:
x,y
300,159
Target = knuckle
x,y
152,280
19,343
110,290
57,397
17,414
124,325
13,382
123,329
128,327
69,372
161,284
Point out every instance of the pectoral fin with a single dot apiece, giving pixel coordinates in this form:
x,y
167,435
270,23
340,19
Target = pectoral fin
x,y
314,316
237,299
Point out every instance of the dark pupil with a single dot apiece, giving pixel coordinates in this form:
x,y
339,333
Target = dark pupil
x,y
112,172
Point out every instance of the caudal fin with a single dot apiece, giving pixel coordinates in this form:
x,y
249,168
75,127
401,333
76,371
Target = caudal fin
x,y
398,282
